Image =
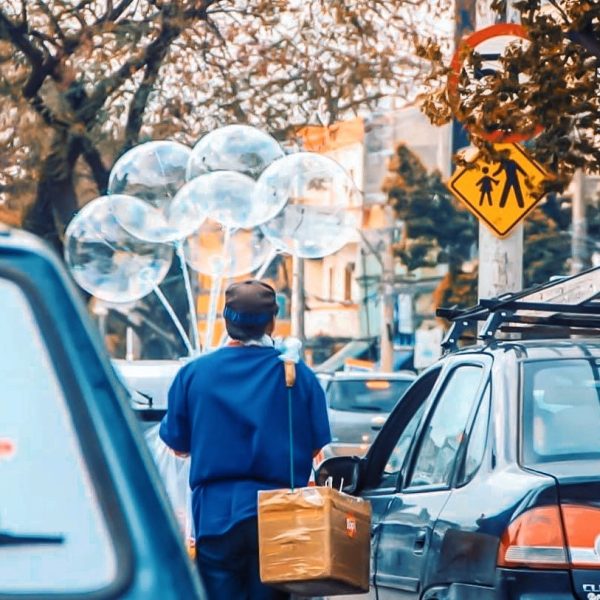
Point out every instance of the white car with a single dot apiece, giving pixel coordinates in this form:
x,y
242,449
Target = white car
x,y
148,382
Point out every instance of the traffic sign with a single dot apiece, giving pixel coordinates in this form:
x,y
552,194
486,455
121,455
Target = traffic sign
x,y
489,43
500,193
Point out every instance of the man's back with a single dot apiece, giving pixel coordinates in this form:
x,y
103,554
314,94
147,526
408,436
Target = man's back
x,y
231,411
236,403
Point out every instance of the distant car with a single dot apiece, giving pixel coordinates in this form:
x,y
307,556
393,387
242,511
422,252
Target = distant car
x,y
358,404
82,512
148,383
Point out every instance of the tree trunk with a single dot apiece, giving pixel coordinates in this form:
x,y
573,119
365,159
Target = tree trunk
x,y
56,199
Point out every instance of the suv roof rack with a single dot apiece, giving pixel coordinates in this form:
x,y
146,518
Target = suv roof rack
x,y
572,303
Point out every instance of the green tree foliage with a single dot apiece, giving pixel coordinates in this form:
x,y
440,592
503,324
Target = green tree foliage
x,y
550,83
547,244
437,229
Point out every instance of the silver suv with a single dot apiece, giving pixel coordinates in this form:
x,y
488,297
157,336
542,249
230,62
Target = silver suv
x,y
358,404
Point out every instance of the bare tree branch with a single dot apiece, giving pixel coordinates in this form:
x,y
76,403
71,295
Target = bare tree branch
x,y
140,98
99,170
117,11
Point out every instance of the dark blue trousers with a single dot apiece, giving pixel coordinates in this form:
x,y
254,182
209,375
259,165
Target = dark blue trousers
x,y
228,565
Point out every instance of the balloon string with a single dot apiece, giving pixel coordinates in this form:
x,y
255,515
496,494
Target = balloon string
x,y
215,292
174,318
266,264
190,296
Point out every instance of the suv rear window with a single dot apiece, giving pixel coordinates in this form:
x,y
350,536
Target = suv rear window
x,y
368,395
54,535
561,410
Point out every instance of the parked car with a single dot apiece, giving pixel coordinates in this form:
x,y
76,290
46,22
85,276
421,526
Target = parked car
x,y
82,511
358,405
485,481
148,382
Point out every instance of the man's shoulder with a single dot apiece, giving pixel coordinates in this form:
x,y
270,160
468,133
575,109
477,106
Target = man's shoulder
x,y
205,360
305,372
224,354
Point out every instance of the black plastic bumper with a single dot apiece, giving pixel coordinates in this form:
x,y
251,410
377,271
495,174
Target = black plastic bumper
x,y
521,584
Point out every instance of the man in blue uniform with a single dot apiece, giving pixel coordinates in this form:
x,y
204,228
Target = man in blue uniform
x,y
229,410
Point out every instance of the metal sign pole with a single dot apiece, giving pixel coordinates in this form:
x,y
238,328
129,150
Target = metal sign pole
x,y
500,260
386,349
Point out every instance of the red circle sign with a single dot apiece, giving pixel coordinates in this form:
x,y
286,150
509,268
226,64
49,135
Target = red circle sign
x,y
471,42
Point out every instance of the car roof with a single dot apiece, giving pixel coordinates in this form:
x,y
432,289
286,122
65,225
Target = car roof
x,y
150,378
153,368
540,349
368,375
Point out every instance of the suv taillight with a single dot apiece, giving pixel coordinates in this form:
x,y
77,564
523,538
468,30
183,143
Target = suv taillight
x,y
536,540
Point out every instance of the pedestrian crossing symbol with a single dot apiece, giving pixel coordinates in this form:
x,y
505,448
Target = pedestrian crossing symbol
x,y
500,193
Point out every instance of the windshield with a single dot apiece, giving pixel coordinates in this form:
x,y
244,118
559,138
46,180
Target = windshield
x,y
561,410
369,395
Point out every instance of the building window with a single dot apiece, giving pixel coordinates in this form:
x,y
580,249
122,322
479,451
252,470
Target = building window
x,y
348,276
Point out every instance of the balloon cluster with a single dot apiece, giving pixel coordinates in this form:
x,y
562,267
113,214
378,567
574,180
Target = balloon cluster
x,y
226,204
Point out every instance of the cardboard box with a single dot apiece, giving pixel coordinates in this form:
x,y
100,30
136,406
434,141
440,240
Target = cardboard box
x,y
314,541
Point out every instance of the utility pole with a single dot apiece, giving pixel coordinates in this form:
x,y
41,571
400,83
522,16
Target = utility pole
x,y
579,255
500,260
297,308
386,342
464,23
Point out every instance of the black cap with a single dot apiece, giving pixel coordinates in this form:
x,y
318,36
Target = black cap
x,y
250,303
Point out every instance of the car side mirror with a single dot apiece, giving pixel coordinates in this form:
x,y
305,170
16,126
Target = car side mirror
x,y
344,472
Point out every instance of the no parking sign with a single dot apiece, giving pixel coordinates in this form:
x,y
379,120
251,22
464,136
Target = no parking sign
x,y
490,44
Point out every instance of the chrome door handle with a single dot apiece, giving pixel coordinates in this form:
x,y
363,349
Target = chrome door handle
x,y
420,542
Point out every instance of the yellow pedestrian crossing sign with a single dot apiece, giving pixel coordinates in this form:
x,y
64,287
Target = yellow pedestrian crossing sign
x,y
500,193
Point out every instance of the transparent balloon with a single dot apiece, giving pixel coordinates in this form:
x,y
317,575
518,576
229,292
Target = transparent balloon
x,y
210,253
311,231
106,260
152,172
227,197
320,203
174,222
234,148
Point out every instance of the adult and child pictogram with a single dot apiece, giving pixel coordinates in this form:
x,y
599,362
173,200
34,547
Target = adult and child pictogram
x,y
512,183
500,193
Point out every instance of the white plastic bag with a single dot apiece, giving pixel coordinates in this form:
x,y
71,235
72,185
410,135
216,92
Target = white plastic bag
x,y
175,475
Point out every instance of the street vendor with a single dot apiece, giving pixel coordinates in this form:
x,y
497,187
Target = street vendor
x,y
228,409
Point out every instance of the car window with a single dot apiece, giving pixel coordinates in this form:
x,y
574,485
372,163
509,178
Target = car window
x,y
561,410
366,395
477,439
399,452
53,535
388,440
445,430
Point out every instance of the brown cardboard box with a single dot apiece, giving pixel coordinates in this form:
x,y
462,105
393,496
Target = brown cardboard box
x,y
314,541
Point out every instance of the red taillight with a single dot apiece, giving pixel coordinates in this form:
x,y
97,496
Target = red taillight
x,y
534,540
582,529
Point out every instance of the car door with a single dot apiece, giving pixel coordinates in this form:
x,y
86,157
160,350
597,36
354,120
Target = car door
x,y
381,466
423,482
81,511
